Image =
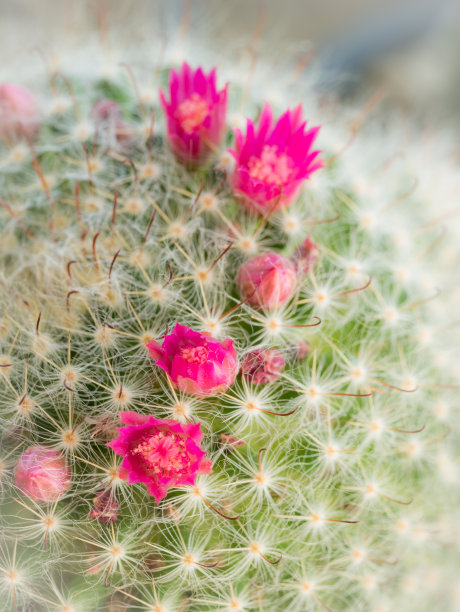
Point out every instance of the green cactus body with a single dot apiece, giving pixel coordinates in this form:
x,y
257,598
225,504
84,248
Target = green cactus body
x,y
333,485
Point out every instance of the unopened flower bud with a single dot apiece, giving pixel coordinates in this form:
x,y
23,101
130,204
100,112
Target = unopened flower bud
x,y
263,366
42,473
306,255
106,110
19,113
231,440
301,350
268,280
105,507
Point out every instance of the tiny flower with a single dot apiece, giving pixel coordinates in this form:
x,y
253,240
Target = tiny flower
x,y
161,453
106,111
306,255
301,350
231,440
42,473
273,161
105,507
19,113
107,116
196,363
263,366
267,281
195,114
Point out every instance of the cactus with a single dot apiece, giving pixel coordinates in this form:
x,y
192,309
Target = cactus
x,y
312,467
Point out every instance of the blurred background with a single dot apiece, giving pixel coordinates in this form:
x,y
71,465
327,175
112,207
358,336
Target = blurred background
x,y
410,47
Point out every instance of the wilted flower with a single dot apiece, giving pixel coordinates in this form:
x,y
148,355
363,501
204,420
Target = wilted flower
x,y
161,453
263,366
19,113
42,473
301,350
231,440
273,161
196,363
267,281
195,114
105,507
306,255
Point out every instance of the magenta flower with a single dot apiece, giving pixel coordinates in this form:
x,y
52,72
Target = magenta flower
x,y
161,453
195,114
273,161
42,473
262,366
267,281
19,113
196,363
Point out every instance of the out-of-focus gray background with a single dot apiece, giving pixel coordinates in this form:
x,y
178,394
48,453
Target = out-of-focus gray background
x,y
411,47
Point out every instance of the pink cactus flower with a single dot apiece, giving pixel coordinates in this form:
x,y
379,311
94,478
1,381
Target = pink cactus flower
x,y
42,473
196,363
267,281
273,161
161,453
195,114
306,255
263,366
19,113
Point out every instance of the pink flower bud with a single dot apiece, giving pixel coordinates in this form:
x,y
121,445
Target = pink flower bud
x,y
19,113
306,255
106,110
231,440
42,473
105,507
161,453
195,114
196,363
301,350
263,366
268,280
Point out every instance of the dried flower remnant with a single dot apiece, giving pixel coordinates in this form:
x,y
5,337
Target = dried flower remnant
x,y
105,507
306,255
109,123
229,440
301,350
